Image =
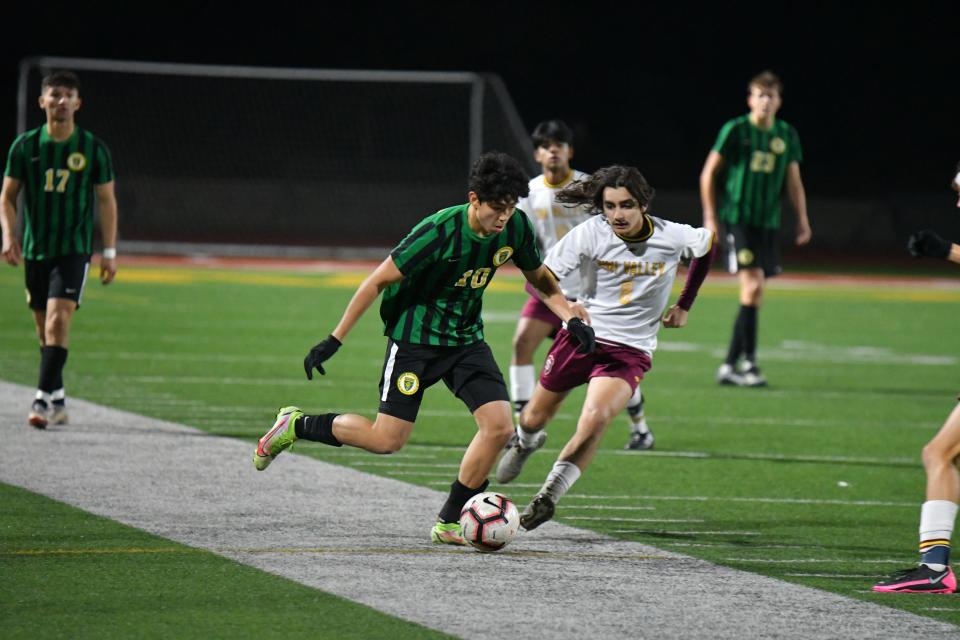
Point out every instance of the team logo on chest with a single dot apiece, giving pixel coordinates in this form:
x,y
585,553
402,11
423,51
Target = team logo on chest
x,y
502,255
408,383
778,146
76,161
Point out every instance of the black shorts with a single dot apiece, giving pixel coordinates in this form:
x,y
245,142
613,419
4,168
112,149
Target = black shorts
x,y
753,248
409,369
62,277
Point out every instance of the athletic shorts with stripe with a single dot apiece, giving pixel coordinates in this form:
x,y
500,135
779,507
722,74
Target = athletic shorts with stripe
x,y
566,368
753,248
62,277
470,372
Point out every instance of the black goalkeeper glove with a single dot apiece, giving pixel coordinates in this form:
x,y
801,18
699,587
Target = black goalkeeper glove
x,y
583,333
928,244
319,354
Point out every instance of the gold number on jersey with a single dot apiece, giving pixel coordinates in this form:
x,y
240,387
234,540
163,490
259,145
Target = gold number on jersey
x,y
762,162
479,278
62,176
626,291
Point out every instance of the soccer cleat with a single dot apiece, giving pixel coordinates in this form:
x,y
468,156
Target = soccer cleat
x,y
752,377
447,533
726,374
539,510
640,441
511,463
39,414
920,579
280,437
58,413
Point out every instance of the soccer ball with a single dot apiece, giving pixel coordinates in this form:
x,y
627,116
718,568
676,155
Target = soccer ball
x,y
489,521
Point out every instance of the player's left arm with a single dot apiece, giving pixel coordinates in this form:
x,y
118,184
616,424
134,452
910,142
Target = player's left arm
x,y
549,291
798,198
107,208
703,247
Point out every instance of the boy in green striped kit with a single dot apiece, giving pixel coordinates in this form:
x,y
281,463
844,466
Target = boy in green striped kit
x,y
760,155
59,167
432,285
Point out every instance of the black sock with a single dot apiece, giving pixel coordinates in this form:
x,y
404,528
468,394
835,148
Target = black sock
x,y
459,494
52,360
736,340
749,315
317,428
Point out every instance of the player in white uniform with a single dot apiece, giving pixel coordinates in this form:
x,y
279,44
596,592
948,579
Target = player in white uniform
x,y
553,150
627,261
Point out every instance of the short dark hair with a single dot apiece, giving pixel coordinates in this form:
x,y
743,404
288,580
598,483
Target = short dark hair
x,y
497,177
556,130
766,80
60,78
590,189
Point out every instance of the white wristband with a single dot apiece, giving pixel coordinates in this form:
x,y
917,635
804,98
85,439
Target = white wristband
x,y
110,253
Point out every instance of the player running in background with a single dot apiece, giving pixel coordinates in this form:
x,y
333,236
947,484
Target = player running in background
x,y
59,167
432,285
628,260
760,154
939,513
553,150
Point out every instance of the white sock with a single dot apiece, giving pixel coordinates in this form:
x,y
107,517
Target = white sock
x,y
638,423
43,395
560,479
527,438
635,399
58,394
937,518
522,381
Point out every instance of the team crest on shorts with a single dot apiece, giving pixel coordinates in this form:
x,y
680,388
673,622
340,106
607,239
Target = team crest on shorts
x,y
76,161
745,257
778,146
408,383
548,365
502,255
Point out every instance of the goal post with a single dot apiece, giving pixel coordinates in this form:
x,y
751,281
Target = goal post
x,y
308,161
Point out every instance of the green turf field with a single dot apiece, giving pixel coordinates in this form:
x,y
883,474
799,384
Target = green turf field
x,y
816,479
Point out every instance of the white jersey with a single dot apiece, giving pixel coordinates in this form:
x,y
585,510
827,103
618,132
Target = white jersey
x,y
625,285
552,220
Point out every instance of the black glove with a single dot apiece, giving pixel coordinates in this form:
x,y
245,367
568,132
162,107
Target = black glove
x,y
320,353
583,333
928,243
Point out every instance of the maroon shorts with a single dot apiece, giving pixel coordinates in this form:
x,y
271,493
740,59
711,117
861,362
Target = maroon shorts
x,y
565,369
534,308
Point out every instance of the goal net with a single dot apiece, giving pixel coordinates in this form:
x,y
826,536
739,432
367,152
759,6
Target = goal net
x,y
282,159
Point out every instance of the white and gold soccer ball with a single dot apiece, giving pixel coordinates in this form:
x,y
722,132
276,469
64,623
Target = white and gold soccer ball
x,y
489,521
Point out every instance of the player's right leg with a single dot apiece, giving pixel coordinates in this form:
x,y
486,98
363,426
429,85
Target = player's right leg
x,y
606,397
937,517
641,437
37,279
529,435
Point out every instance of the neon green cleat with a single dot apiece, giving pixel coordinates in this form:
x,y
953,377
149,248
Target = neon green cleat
x,y
447,533
280,437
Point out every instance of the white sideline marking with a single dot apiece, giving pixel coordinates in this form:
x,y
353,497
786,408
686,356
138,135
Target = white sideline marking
x,y
830,575
613,519
690,533
857,503
815,561
610,507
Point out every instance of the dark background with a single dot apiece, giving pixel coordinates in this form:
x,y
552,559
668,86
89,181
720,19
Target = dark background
x,y
873,91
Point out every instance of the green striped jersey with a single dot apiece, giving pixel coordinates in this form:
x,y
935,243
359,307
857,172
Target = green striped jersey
x,y
57,182
446,268
756,162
